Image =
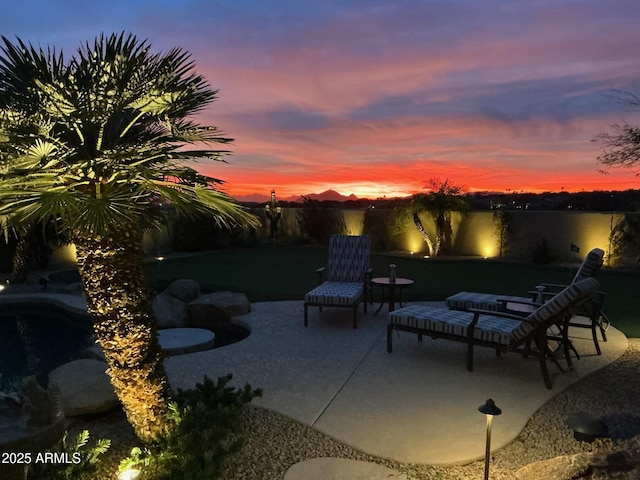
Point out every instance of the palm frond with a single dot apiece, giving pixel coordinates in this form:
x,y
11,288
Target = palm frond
x,y
102,138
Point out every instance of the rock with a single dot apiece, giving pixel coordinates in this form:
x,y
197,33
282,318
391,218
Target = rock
x,y
558,468
84,387
211,309
170,312
37,403
184,289
620,464
93,352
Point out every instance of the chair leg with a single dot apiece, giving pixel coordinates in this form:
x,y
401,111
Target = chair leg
x,y
543,351
603,320
594,334
355,316
306,315
470,356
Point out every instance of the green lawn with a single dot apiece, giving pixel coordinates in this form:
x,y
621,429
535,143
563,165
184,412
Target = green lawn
x,y
287,273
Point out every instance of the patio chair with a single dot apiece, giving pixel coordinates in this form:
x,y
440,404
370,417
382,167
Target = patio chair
x,y
591,309
344,282
499,330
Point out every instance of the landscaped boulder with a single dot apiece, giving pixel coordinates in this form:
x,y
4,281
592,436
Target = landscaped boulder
x,y
184,289
94,352
84,387
170,312
621,464
211,309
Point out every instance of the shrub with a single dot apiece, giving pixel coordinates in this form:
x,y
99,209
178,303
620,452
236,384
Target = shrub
x,y
206,430
318,222
81,460
380,225
542,253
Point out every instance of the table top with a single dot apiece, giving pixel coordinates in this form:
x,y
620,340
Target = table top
x,y
400,282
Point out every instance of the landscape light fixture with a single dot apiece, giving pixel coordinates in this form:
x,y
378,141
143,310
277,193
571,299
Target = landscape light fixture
x,y
129,474
273,213
586,427
490,410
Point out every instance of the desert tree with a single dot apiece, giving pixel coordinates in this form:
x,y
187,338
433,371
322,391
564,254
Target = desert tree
x,y
443,198
622,145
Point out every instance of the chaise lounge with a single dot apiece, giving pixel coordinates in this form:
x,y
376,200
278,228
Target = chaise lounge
x,y
344,282
499,330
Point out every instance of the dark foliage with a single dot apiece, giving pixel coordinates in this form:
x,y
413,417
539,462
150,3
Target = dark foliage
x,y
318,222
207,429
542,253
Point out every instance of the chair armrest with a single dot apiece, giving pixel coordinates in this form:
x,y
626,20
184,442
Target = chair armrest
x,y
554,286
368,274
320,271
477,312
529,305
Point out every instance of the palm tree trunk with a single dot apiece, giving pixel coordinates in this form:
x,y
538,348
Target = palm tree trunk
x,y
423,232
21,259
112,270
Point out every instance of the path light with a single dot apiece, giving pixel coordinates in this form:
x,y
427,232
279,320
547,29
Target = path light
x,y
490,410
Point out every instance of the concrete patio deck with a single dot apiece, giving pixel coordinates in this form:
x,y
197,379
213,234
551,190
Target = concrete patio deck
x,y
418,404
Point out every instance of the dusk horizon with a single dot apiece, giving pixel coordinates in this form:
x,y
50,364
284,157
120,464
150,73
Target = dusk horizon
x,y
375,99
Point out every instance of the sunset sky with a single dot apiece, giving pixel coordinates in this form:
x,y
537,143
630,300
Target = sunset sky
x,y
377,97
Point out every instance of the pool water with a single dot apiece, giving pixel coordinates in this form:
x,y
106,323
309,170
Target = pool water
x,y
37,338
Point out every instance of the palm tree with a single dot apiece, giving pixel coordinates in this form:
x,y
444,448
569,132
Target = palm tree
x,y
98,145
443,198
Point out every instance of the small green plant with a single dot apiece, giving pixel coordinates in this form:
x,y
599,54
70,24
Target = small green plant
x,y
206,429
69,459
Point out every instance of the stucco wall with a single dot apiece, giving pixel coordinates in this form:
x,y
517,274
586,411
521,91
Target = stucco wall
x,y
473,234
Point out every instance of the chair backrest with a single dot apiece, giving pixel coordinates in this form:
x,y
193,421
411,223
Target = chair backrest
x,y
590,265
564,302
348,258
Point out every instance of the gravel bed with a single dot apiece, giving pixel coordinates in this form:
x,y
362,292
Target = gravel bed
x,y
275,442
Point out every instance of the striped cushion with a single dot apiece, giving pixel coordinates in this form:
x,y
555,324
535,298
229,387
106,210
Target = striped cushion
x,y
590,265
488,301
454,322
348,258
481,301
336,293
490,328
563,300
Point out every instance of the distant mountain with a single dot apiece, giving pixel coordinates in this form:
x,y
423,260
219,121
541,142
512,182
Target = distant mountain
x,y
328,195
252,198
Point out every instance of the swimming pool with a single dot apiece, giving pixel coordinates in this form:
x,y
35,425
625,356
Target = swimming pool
x,y
37,337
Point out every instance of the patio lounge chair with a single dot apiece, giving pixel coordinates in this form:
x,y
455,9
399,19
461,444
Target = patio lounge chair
x,y
344,282
499,330
591,309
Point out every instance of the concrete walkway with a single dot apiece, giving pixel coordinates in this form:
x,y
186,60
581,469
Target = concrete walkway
x,y
413,405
